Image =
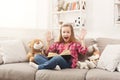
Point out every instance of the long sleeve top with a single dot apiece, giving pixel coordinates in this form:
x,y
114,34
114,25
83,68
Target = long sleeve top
x,y
74,47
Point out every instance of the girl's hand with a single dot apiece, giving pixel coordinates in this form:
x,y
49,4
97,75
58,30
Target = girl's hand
x,y
83,33
49,36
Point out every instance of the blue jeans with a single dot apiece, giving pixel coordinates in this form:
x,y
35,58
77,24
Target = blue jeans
x,y
45,63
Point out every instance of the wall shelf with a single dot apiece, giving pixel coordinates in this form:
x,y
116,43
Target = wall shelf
x,y
117,11
117,2
75,9
64,12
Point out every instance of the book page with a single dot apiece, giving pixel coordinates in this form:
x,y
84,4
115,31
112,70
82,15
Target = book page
x,y
65,52
51,54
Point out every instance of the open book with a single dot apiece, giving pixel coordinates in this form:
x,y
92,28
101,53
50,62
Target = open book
x,y
64,53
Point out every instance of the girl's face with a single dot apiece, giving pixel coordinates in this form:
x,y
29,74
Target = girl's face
x,y
66,33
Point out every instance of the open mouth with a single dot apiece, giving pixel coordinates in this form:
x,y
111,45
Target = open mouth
x,y
65,37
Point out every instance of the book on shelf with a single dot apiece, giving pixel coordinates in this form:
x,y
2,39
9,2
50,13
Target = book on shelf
x,y
73,6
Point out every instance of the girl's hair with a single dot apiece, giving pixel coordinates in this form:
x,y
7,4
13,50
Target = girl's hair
x,y
72,37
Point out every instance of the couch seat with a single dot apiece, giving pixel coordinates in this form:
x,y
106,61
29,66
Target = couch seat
x,y
64,74
99,74
17,71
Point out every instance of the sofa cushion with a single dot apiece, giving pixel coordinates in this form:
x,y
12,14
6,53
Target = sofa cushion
x,y
98,74
109,58
12,51
64,74
1,60
102,42
118,67
17,71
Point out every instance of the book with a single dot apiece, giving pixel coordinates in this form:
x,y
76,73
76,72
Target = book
x,y
64,53
73,6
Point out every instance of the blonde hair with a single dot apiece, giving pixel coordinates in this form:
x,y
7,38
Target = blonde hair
x,y
72,38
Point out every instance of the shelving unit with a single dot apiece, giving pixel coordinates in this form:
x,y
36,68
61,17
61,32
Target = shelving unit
x,y
63,12
74,12
117,12
117,1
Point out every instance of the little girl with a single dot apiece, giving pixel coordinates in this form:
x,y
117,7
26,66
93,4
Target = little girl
x,y
67,41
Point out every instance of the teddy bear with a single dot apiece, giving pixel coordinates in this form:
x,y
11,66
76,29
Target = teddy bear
x,y
92,60
36,47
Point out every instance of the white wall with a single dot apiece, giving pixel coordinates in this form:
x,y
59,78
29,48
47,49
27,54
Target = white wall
x,y
24,13
100,19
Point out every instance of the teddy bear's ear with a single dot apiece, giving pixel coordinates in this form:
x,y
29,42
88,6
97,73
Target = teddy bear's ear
x,y
30,44
36,40
41,41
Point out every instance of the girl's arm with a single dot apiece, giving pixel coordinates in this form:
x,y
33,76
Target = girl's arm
x,y
49,39
83,33
81,47
50,45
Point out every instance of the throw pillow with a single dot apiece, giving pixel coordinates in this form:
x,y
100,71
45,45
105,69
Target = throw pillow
x,y
1,60
118,67
109,58
12,51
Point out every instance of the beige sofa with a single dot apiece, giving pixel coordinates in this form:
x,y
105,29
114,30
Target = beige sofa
x,y
23,71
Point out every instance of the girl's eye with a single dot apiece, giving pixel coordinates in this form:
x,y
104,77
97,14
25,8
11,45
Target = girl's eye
x,y
63,31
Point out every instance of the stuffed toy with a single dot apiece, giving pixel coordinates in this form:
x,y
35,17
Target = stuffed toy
x,y
82,65
37,47
92,60
60,5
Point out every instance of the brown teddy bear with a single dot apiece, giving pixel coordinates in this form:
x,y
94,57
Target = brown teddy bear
x,y
37,47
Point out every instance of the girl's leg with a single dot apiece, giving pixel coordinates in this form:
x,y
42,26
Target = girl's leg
x,y
51,64
40,59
